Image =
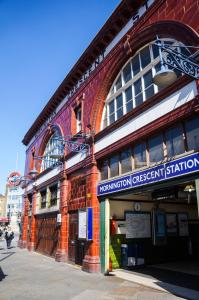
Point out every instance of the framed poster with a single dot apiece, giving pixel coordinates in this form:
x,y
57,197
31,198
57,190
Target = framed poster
x,y
138,224
82,224
171,224
183,224
159,227
85,224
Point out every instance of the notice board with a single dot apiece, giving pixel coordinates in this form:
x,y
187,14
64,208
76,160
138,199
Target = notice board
x,y
138,224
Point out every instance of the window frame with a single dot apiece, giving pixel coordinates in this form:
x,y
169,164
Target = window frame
x,y
43,204
50,148
114,92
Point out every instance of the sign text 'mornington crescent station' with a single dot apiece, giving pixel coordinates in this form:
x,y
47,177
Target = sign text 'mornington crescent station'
x,y
161,172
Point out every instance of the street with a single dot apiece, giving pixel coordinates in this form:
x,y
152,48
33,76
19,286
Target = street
x,y
28,275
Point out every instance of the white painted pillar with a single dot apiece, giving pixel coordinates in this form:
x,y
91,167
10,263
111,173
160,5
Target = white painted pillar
x,y
197,193
107,234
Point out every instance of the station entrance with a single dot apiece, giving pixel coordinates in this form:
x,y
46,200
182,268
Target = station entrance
x,y
155,231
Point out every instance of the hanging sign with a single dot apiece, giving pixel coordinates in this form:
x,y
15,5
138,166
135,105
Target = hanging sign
x,y
169,170
14,179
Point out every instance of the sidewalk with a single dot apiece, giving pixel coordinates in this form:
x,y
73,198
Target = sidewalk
x,y
30,276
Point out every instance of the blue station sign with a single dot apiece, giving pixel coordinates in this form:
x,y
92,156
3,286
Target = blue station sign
x,y
169,170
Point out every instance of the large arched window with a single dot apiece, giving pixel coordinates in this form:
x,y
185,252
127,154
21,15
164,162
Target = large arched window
x,y
134,84
52,148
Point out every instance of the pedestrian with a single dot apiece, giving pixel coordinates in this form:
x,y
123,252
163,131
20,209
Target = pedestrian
x,y
1,232
9,235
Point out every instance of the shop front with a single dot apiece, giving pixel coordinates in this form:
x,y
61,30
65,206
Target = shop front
x,y
151,216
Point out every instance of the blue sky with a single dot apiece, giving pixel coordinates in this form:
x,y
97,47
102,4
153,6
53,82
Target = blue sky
x,y
40,40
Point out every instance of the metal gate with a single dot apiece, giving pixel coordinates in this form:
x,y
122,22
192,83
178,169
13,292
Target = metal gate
x,y
47,234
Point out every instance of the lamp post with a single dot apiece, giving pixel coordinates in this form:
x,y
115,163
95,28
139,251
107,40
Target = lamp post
x,y
170,56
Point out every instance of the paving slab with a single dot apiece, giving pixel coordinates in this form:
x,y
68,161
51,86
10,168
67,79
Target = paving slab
x,y
28,275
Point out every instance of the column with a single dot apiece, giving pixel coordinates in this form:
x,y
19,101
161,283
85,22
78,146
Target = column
x,y
104,235
197,193
91,262
62,250
23,241
31,245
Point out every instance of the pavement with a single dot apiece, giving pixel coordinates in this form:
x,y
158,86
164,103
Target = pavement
x,y
28,275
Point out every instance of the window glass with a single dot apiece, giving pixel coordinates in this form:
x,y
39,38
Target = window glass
x,y
145,57
140,155
129,99
156,149
174,141
118,84
138,92
192,133
119,103
114,166
53,147
127,73
111,112
105,123
78,115
155,50
148,83
148,80
104,170
43,199
53,195
126,164
136,65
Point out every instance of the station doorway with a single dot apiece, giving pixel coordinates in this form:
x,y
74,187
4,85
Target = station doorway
x,y
76,247
156,230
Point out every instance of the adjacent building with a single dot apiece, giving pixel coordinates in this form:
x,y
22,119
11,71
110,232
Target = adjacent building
x,y
2,206
14,203
118,156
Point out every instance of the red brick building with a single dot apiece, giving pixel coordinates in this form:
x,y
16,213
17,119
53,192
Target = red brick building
x,y
130,125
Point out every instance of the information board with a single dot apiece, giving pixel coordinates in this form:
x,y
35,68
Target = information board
x,y
85,223
82,224
171,222
183,224
138,225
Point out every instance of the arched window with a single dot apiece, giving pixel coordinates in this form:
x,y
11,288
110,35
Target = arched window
x,y
134,84
52,148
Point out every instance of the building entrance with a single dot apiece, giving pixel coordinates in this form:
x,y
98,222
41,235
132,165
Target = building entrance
x,y
154,227
76,248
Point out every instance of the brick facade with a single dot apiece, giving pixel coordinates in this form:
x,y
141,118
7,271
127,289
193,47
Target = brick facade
x,y
174,19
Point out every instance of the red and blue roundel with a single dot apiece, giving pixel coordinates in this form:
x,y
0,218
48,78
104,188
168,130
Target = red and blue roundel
x,y
14,179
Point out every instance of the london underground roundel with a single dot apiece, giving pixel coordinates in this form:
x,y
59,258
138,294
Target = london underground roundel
x,y
14,179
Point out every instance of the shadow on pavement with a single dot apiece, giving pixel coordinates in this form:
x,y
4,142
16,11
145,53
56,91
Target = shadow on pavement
x,y
172,277
8,255
2,275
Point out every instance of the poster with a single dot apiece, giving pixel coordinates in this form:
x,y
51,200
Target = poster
x,y
160,224
121,227
183,224
82,224
159,227
138,225
171,223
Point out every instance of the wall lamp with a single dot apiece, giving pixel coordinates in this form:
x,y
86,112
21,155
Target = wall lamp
x,y
170,56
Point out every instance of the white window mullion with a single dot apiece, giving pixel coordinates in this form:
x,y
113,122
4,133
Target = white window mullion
x,y
115,109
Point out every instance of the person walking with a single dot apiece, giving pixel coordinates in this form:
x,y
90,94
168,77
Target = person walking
x,y
9,235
